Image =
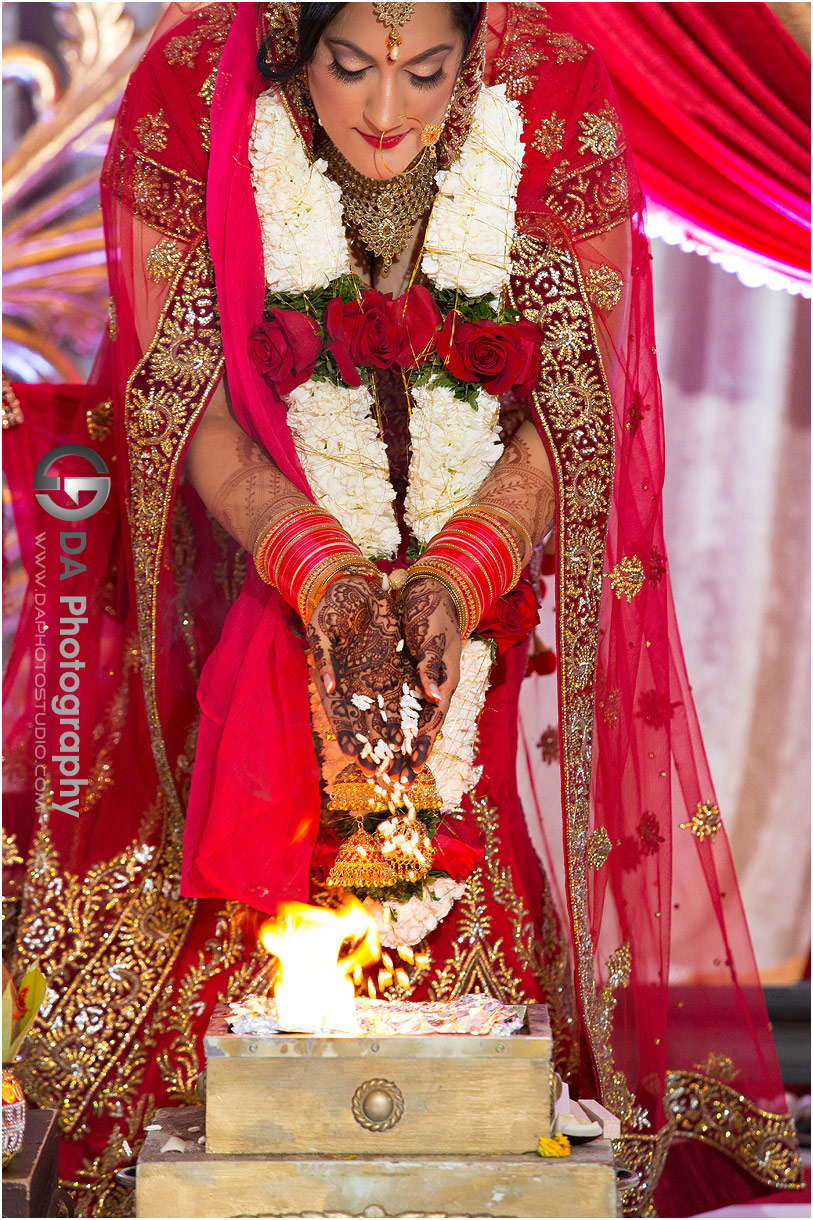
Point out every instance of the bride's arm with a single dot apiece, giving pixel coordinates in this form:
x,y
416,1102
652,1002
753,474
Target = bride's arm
x,y
353,632
238,482
521,484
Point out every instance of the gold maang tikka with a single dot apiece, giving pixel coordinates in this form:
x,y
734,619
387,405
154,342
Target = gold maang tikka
x,y
393,15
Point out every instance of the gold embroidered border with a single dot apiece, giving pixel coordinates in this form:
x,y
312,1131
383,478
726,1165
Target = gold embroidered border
x,y
166,395
575,409
762,1142
478,961
169,201
115,934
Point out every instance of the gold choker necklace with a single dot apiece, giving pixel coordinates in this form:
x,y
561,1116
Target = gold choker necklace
x,y
382,211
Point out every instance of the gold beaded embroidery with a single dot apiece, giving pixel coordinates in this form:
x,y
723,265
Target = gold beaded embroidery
x,y
602,133
215,21
549,139
598,848
151,131
719,1066
166,394
603,287
706,822
100,420
627,577
478,962
708,1110
163,260
574,408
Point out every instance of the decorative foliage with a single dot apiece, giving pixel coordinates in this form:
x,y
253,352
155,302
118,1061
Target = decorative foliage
x,y
55,288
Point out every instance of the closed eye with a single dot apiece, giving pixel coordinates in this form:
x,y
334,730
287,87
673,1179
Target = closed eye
x,y
428,82
345,74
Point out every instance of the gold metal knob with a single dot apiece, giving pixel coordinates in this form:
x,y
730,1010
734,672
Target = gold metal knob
x,y
377,1105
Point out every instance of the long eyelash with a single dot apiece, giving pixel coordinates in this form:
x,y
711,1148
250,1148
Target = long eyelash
x,y
344,74
428,82
420,82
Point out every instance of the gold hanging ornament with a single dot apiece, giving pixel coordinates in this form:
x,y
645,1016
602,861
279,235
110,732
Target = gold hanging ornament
x,y
393,16
399,849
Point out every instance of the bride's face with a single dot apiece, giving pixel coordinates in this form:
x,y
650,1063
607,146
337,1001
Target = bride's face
x,y
359,94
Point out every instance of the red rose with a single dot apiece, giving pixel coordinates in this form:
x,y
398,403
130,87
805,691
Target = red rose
x,y
363,334
511,619
458,849
418,319
501,357
285,349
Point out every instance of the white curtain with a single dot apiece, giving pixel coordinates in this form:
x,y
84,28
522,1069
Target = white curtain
x,y
734,365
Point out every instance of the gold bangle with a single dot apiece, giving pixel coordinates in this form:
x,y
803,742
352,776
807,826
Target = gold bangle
x,y
259,551
336,562
266,537
513,522
467,588
463,618
519,559
462,595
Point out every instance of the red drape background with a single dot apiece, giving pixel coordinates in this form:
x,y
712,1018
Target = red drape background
x,y
717,101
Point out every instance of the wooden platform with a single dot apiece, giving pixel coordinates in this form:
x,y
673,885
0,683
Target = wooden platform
x,y
299,1093
197,1183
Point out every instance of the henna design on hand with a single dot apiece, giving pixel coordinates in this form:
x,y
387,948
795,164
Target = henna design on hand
x,y
521,483
432,636
353,635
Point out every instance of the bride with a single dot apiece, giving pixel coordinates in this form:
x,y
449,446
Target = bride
x,y
381,326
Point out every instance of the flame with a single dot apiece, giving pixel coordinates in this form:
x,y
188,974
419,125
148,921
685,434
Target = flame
x,y
320,952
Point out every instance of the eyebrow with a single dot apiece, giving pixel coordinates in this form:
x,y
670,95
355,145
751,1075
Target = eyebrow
x,y
416,59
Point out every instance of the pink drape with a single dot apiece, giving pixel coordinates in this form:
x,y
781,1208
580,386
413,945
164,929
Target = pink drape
x,y
716,98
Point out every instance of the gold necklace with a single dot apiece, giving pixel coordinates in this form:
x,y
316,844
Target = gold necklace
x,y
382,211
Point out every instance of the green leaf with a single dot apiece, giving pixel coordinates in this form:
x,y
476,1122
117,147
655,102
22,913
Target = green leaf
x,y
31,994
400,893
8,1008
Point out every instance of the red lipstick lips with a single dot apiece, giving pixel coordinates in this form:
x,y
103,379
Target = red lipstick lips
x,y
387,142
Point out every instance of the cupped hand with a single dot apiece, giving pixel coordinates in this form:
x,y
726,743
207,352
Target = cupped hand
x,y
354,636
432,634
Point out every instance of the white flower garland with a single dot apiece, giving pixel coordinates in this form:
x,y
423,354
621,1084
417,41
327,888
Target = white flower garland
x,y
417,917
470,231
453,755
467,247
299,207
453,449
345,461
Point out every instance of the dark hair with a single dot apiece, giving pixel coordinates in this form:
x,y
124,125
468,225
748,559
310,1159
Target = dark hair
x,y
314,20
